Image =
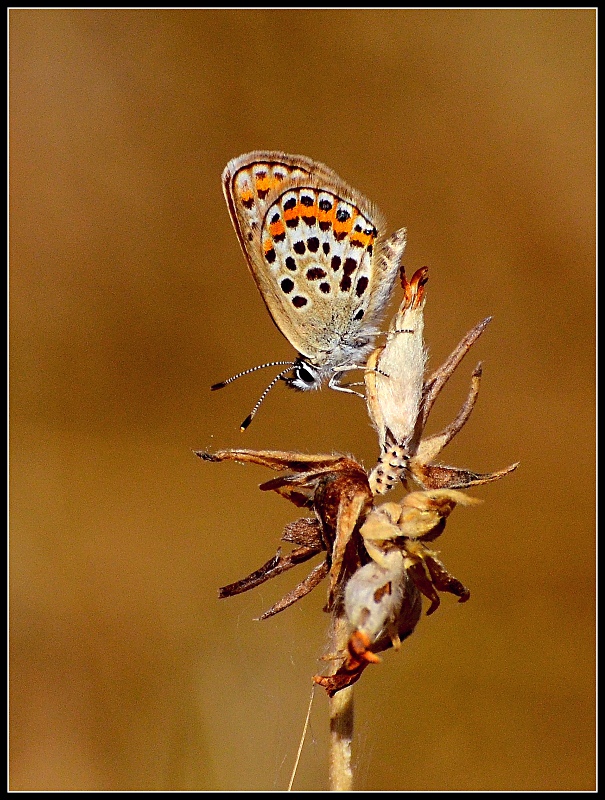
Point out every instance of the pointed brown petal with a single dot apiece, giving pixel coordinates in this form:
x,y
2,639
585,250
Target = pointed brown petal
x,y
439,378
349,514
444,581
340,680
307,479
274,459
357,659
301,497
429,448
275,566
254,579
424,585
304,531
304,587
437,476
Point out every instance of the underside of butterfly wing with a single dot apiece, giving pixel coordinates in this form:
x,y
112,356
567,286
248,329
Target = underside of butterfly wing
x,y
316,249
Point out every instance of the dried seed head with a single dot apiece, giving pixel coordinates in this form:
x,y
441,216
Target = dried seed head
x,y
382,602
394,384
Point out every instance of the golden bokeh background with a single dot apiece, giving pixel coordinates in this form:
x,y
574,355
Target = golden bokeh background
x,y
129,296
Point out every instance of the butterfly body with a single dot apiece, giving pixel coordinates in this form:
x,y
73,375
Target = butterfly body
x,y
317,251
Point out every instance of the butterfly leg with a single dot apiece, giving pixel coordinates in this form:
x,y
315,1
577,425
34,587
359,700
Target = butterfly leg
x,y
338,387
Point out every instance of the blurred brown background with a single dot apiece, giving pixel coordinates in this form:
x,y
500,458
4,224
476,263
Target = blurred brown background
x,y
129,296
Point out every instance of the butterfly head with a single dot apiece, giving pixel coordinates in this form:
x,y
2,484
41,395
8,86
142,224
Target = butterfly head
x,y
305,376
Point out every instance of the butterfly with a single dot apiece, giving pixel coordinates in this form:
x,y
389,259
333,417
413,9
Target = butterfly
x,y
317,251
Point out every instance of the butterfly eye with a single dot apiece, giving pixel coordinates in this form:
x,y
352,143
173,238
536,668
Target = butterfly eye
x,y
305,377
303,374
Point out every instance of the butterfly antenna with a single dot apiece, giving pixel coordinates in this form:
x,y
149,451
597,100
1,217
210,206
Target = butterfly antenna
x,y
248,371
250,416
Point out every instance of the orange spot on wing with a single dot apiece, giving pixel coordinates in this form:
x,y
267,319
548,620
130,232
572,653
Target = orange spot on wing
x,y
292,212
309,211
300,210
266,183
276,228
343,227
327,216
363,239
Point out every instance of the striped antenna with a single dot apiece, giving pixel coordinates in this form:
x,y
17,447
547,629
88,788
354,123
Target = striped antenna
x,y
252,369
250,416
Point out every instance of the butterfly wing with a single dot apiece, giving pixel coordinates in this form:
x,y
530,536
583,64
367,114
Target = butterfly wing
x,y
314,246
250,183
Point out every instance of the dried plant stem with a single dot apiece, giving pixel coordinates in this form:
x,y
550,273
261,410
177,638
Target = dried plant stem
x,y
341,717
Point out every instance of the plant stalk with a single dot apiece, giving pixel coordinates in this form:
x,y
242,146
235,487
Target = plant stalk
x,y
341,716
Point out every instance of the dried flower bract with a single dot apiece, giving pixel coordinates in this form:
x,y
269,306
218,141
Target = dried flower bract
x,y
400,400
378,558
